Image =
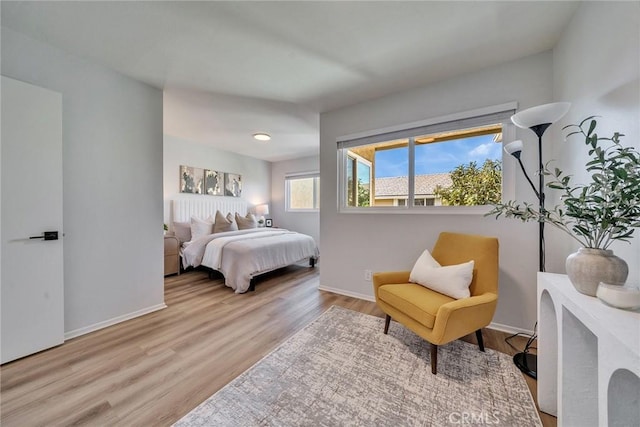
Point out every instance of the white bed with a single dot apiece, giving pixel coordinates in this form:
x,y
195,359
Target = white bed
x,y
241,255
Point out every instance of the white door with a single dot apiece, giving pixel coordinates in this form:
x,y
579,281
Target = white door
x,y
31,285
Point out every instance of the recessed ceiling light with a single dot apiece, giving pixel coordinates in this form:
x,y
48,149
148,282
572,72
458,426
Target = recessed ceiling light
x,y
261,136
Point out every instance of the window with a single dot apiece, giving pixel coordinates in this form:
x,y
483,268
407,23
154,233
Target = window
x,y
302,192
359,179
444,163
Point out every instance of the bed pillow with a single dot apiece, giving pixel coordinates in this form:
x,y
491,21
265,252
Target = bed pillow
x,y
450,280
200,228
223,223
246,222
182,230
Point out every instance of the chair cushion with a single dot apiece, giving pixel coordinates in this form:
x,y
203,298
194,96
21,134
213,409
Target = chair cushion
x,y
417,302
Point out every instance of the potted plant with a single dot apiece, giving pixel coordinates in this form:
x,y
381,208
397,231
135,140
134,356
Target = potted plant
x,y
166,228
596,214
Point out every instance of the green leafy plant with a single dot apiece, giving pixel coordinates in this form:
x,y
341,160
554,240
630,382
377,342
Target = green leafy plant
x,y
598,213
166,228
364,195
473,185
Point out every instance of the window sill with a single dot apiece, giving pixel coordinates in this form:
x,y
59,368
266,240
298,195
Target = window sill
x,y
428,210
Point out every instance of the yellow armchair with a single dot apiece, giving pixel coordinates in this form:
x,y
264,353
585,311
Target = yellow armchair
x,y
438,318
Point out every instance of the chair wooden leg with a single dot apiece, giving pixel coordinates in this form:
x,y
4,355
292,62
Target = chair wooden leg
x,y
434,359
387,320
480,341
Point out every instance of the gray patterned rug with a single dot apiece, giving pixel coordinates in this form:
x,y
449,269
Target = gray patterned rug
x,y
341,370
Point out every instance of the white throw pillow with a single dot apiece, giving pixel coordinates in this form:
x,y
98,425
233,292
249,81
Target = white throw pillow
x,y
426,261
200,228
450,280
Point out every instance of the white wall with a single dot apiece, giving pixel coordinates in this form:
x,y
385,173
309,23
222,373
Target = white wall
x,y
352,243
112,182
596,66
256,174
302,222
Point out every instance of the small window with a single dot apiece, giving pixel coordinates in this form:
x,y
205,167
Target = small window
x,y
302,192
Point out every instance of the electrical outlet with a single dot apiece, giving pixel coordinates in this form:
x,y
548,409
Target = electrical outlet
x,y
367,275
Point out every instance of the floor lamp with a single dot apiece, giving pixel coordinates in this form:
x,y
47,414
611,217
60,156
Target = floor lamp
x,y
538,119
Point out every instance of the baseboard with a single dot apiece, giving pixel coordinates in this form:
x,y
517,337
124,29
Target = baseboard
x,y
497,326
509,329
110,322
347,293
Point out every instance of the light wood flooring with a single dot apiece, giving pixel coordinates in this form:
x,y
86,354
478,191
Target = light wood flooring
x,y
152,370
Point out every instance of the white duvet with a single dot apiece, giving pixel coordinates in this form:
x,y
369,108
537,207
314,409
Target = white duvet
x,y
241,255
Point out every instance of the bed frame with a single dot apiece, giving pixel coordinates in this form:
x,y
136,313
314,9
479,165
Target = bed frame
x,y
252,282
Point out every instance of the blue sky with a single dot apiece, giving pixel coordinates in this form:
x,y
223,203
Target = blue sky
x,y
438,157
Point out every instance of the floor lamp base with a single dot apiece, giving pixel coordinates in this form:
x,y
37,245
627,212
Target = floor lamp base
x,y
527,363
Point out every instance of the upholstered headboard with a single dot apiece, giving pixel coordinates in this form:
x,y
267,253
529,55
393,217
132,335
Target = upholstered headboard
x,y
205,206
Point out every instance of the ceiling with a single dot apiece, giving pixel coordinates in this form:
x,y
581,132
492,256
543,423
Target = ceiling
x,y
230,69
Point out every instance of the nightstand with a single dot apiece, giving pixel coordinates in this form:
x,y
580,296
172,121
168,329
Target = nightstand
x,y
171,255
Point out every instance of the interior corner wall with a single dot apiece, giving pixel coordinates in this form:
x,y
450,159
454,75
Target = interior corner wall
x,y
352,243
112,182
256,173
302,222
596,67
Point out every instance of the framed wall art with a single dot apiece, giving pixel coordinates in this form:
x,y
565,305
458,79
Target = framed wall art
x,y
213,182
191,180
233,185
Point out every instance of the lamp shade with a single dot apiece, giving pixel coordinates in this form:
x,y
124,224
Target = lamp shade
x,y
514,148
542,114
262,210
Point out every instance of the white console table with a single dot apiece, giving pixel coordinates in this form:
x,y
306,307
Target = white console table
x,y
588,357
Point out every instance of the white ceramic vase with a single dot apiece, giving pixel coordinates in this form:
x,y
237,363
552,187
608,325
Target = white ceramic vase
x,y
588,267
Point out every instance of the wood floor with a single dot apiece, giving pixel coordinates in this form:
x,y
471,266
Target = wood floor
x,y
152,370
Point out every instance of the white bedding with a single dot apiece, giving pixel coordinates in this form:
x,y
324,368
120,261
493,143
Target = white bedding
x,y
241,255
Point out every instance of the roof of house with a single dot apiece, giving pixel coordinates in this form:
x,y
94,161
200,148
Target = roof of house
x,y
398,185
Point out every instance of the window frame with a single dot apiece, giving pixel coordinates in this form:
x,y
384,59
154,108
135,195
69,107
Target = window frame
x,y
450,122
316,190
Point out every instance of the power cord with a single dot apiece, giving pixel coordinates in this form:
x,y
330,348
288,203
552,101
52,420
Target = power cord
x,y
529,345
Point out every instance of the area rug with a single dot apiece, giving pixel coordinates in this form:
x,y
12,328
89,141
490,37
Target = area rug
x,y
341,370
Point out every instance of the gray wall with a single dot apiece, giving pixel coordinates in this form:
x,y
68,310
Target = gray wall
x,y
112,182
352,243
256,174
596,66
302,222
